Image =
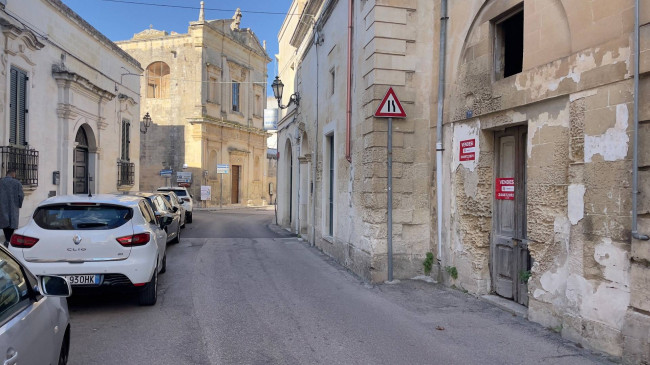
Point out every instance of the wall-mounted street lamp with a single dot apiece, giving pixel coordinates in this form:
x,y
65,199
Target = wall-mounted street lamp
x,y
278,87
146,123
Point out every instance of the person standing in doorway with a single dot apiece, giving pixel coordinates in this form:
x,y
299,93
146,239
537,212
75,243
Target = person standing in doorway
x,y
11,200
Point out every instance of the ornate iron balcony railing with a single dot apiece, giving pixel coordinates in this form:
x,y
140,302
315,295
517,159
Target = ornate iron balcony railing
x,y
22,159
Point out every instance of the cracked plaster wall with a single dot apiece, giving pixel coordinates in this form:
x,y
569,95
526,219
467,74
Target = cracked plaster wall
x,y
577,105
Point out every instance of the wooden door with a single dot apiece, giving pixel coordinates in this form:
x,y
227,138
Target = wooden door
x,y
234,190
510,259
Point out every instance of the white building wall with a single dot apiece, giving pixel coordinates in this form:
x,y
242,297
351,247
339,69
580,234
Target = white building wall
x,y
90,70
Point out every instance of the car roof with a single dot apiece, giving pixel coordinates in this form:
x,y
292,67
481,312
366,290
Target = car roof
x,y
118,199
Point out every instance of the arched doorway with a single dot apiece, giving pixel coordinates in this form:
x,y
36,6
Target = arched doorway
x,y
80,163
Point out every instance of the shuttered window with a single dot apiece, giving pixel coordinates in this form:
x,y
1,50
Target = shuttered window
x,y
126,139
18,107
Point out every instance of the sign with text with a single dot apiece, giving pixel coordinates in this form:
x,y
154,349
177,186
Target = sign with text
x,y
505,188
390,107
206,192
166,173
468,150
271,119
183,177
223,169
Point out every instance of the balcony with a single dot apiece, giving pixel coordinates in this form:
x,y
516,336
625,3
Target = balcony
x,y
125,173
22,159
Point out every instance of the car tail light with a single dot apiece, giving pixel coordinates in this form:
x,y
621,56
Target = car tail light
x,y
23,241
139,239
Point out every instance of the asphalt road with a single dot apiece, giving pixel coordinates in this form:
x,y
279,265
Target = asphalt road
x,y
237,292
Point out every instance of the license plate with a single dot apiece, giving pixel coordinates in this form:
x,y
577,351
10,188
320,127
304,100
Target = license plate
x,y
84,279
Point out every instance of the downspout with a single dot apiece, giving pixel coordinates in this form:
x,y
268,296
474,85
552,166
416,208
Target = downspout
x,y
348,112
635,168
441,100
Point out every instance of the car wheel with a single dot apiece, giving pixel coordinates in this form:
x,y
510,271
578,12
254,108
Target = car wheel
x,y
65,348
164,265
177,239
189,218
149,294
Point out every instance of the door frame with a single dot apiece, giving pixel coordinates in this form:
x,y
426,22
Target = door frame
x,y
519,242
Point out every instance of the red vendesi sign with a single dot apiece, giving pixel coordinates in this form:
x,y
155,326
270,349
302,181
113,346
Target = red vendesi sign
x,y
468,150
505,189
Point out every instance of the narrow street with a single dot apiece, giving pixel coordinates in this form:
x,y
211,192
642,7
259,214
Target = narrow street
x,y
238,292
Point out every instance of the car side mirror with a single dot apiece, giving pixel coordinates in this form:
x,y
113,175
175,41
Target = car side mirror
x,y
54,286
165,221
175,209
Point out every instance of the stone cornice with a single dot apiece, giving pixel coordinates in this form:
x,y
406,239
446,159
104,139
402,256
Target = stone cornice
x,y
229,124
80,22
12,32
62,75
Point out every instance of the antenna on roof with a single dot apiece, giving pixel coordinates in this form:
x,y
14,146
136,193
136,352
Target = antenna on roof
x,y
90,195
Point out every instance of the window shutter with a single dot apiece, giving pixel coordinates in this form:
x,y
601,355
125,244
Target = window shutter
x,y
13,104
22,108
127,128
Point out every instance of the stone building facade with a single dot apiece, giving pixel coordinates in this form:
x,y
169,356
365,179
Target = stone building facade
x,y
537,148
205,91
69,119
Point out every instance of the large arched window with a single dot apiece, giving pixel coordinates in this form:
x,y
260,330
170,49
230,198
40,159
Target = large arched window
x,y
158,80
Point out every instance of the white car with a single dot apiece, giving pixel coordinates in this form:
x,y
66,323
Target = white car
x,y
185,196
34,318
95,242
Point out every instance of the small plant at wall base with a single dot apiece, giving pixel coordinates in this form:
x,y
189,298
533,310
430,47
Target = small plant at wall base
x,y
451,270
428,263
524,276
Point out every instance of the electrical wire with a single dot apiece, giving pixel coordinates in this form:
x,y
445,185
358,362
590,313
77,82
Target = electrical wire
x,y
196,7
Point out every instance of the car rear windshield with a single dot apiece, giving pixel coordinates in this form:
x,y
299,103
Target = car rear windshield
x,y
178,192
82,217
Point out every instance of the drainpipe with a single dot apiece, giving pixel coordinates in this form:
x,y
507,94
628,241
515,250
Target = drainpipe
x,y
635,168
441,100
348,115
314,157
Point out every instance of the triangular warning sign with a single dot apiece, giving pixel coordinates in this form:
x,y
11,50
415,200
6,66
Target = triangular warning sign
x,y
390,106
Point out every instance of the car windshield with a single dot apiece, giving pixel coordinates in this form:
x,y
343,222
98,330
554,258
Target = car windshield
x,y
81,217
177,192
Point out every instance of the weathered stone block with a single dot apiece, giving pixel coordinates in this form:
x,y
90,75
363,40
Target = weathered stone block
x,y
644,192
615,227
644,143
598,121
375,139
636,338
640,286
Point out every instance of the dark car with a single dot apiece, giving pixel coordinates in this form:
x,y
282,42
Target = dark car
x,y
164,211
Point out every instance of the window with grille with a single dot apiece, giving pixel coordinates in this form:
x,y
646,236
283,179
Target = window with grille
x,y
18,107
235,96
158,80
212,89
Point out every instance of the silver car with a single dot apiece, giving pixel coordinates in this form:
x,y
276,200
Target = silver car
x,y
34,319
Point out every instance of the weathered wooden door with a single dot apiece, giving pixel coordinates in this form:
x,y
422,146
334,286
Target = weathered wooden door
x,y
234,197
510,259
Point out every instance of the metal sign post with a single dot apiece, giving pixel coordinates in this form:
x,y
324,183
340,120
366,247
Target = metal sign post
x,y
390,108
221,170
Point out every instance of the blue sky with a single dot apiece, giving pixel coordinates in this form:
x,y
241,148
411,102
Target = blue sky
x,y
120,19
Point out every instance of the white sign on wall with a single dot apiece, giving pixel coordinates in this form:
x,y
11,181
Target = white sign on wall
x,y
222,169
206,192
271,119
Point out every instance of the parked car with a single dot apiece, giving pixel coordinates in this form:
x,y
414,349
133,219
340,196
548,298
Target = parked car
x,y
117,238
176,202
184,194
34,318
163,210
